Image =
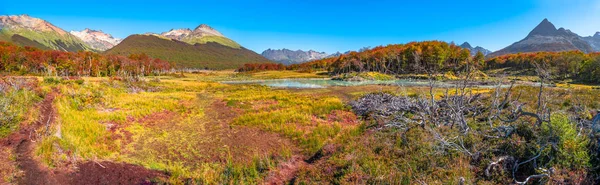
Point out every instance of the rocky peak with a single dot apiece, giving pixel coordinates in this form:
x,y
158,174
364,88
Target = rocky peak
x,y
203,26
466,45
177,34
476,49
26,22
597,35
98,40
205,30
545,28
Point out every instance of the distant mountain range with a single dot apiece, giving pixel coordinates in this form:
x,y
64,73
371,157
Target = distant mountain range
x,y
545,37
203,47
211,55
594,41
474,50
288,57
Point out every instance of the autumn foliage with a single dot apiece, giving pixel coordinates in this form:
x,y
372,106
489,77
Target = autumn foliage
x,y
414,57
30,60
562,65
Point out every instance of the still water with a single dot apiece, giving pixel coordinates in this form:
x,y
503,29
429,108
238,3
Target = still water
x,y
324,83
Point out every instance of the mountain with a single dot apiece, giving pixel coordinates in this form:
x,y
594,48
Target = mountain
x,y
594,41
24,30
545,37
287,57
97,40
474,50
211,55
201,35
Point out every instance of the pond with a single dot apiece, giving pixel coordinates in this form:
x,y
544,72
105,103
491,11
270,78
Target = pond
x,y
324,83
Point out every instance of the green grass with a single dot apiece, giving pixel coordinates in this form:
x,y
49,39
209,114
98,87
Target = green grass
x,y
206,39
182,138
50,40
16,106
173,144
301,118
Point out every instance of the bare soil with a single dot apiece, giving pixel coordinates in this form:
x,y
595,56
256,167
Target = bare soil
x,y
286,172
109,173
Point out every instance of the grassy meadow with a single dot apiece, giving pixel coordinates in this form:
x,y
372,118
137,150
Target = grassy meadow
x,y
200,131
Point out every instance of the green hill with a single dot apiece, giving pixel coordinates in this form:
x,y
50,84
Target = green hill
x,y
24,41
183,55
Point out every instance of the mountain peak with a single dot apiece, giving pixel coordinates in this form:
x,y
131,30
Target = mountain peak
x,y
597,35
466,45
97,40
31,23
205,30
545,28
475,49
205,26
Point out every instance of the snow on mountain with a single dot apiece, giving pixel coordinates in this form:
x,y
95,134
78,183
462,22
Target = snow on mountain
x,y
97,40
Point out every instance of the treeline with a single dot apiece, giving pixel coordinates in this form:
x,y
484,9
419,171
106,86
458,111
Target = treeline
x,y
30,60
414,57
574,65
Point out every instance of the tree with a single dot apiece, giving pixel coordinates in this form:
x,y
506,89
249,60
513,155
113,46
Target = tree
x,y
479,60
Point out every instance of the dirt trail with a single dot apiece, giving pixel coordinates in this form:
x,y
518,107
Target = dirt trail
x,y
24,141
89,172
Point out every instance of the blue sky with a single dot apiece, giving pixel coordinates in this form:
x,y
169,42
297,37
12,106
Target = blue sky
x,y
324,25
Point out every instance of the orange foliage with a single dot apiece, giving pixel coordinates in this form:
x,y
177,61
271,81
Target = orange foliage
x,y
30,60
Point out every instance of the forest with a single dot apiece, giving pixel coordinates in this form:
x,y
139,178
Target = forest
x,y
441,57
29,60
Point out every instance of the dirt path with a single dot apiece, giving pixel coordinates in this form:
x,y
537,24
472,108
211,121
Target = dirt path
x,y
24,140
34,173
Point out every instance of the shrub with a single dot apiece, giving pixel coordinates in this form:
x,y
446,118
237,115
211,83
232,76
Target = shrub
x,y
52,80
571,147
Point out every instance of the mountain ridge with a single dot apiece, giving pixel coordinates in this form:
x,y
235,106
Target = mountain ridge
x,y
25,30
545,37
476,49
202,34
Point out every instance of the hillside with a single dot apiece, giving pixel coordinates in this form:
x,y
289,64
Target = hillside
x,y
24,30
183,55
